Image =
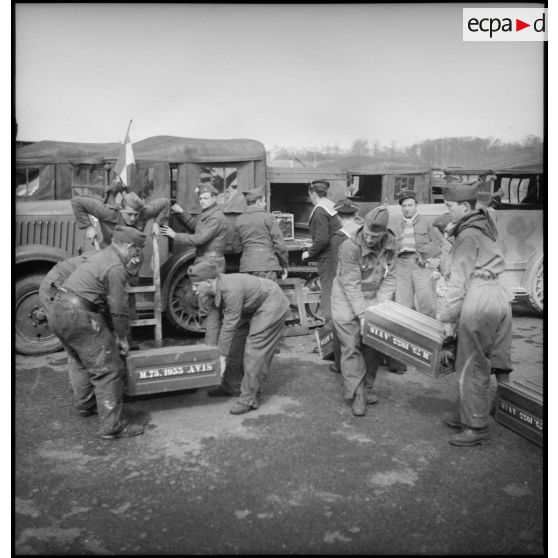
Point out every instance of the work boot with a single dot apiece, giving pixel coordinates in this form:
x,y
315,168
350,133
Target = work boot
x,y
371,399
359,405
127,432
398,369
240,408
220,391
453,420
471,437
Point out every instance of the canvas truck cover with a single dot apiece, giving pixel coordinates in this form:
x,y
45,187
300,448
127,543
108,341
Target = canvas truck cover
x,y
155,149
43,152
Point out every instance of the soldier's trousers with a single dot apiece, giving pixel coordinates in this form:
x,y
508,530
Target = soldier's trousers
x,y
414,283
327,275
359,362
96,368
253,347
484,338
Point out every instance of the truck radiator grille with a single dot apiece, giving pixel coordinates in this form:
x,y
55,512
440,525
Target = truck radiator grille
x,y
60,234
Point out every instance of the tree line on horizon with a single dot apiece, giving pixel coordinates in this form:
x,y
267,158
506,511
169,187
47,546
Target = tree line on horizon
x,y
440,152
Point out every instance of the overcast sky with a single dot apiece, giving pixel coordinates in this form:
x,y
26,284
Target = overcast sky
x,y
289,75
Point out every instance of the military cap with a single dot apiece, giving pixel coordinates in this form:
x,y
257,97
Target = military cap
x,y
461,191
132,201
407,194
202,271
442,222
319,186
253,195
345,207
207,188
484,197
129,235
377,219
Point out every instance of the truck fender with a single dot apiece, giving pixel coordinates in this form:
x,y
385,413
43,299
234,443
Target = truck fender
x,y
170,267
39,252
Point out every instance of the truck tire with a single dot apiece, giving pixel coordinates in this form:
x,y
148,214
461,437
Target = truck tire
x,y
32,335
181,309
535,284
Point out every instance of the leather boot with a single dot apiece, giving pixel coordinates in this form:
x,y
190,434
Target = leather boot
x,y
359,405
240,408
471,437
453,420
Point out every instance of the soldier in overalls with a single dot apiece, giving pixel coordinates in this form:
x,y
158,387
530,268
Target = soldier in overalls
x,y
238,299
481,307
365,276
90,316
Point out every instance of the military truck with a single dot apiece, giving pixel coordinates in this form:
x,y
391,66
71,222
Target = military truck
x,y
49,173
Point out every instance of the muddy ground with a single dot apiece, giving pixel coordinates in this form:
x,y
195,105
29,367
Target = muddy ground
x,y
300,475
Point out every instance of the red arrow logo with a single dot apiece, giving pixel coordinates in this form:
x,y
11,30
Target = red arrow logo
x,y
519,25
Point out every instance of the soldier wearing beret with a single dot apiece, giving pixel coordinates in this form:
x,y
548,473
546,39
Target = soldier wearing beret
x,y
248,314
209,228
365,275
90,316
132,212
323,223
258,236
481,307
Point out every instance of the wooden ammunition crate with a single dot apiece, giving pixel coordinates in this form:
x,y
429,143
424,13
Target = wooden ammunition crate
x,y
286,224
324,340
406,335
519,406
172,368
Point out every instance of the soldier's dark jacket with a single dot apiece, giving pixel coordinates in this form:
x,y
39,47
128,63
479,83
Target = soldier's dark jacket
x,y
101,279
109,214
427,241
210,230
258,236
322,227
475,248
364,273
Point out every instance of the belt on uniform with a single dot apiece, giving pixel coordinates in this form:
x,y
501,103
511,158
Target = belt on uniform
x,y
79,301
250,250
484,274
212,254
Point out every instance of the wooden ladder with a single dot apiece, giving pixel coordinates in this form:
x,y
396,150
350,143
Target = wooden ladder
x,y
156,289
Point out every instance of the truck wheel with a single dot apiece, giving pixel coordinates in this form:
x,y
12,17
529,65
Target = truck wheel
x,y
182,303
535,285
32,335
314,309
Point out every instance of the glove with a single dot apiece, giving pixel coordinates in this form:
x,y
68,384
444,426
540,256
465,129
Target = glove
x,y
175,208
305,255
284,273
